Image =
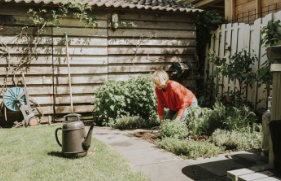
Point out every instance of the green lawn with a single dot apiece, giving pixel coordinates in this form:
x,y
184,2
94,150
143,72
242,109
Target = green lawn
x,y
28,154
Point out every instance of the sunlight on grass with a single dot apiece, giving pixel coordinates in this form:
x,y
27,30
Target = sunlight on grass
x,y
33,154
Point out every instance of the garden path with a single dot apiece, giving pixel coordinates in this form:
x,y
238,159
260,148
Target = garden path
x,y
160,165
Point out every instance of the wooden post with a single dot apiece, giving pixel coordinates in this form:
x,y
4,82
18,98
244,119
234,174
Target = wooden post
x,y
258,9
229,11
274,158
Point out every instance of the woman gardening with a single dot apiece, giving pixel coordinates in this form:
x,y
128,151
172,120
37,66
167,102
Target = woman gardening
x,y
171,94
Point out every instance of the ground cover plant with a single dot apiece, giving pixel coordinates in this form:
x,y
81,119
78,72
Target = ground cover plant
x,y
189,149
209,132
33,154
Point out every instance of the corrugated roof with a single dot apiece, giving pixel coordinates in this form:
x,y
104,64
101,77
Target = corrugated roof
x,y
162,5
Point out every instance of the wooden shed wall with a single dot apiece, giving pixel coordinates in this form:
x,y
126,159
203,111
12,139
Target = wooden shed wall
x,y
95,55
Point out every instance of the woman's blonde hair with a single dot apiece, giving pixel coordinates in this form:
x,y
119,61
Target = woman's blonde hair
x,y
160,77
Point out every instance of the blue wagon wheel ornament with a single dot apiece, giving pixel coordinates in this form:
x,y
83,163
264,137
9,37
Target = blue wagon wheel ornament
x,y
11,99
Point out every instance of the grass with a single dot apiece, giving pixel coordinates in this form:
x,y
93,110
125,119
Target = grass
x,y
33,154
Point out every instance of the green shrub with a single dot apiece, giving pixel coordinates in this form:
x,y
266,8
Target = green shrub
x,y
113,99
197,120
173,129
237,140
133,122
239,118
205,121
189,149
202,121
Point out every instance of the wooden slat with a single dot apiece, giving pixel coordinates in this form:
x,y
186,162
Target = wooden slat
x,y
217,52
227,53
233,50
33,70
81,70
156,25
82,79
18,40
97,32
151,33
39,60
261,93
241,35
144,41
77,99
137,68
154,50
82,41
222,55
156,16
79,50
77,89
125,77
112,59
16,30
76,109
80,60
24,49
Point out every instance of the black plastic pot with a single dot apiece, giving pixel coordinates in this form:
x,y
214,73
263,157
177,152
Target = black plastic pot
x,y
274,54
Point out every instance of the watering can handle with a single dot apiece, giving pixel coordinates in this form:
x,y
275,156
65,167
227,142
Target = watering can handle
x,y
56,133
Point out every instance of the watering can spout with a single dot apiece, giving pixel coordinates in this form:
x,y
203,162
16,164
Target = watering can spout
x,y
87,141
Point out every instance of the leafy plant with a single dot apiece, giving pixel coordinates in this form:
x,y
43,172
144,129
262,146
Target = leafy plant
x,y
114,99
243,139
51,17
197,121
173,129
204,121
239,68
270,33
189,149
239,118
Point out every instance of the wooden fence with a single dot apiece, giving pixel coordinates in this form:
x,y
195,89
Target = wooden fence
x,y
229,39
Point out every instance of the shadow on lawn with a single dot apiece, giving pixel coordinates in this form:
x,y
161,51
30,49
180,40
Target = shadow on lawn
x,y
216,170
55,153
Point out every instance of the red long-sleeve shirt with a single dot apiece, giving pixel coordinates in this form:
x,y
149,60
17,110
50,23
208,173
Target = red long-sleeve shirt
x,y
176,98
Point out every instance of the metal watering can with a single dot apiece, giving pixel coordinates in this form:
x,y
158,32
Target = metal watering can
x,y
75,141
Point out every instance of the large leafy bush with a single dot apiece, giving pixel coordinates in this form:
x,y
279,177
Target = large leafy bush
x,y
114,99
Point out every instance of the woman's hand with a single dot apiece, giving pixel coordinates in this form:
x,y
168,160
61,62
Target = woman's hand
x,y
161,118
178,118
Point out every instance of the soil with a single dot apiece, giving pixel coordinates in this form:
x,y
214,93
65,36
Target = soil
x,y
153,136
150,136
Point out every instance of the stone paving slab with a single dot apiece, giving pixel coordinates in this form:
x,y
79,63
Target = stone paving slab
x,y
161,165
